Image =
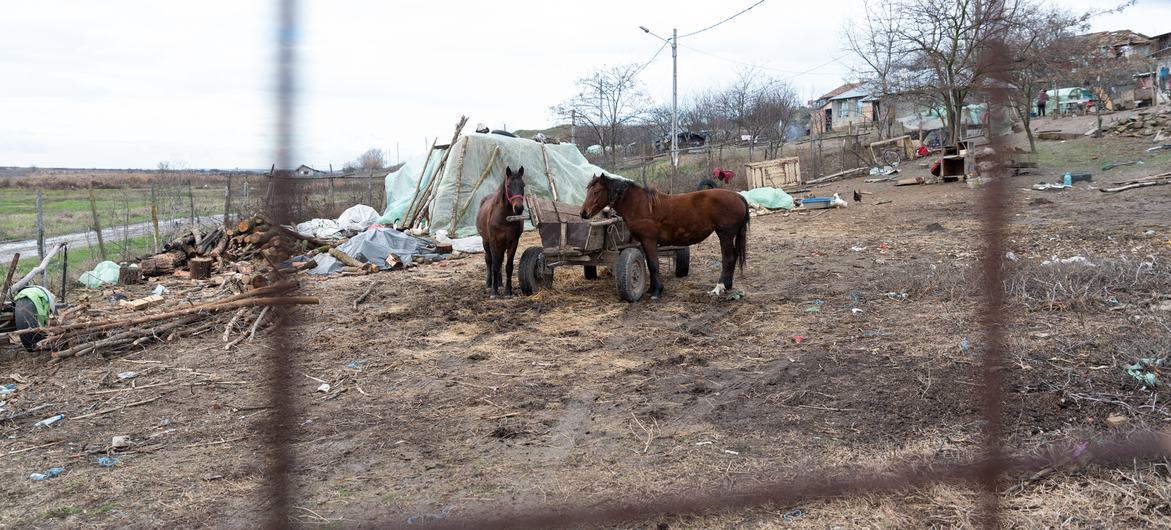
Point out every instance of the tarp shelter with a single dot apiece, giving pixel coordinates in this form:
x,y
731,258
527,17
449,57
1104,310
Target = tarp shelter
x,y
450,196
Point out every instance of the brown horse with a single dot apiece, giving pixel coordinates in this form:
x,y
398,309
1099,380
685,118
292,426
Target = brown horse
x,y
658,218
501,235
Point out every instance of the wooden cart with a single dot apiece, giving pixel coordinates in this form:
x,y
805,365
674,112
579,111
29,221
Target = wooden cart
x,y
567,239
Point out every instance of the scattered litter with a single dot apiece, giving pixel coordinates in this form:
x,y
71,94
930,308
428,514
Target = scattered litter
x,y
49,421
1158,147
731,452
104,272
734,294
1080,260
798,339
1146,370
857,249
883,246
792,515
119,442
965,346
52,472
1112,165
159,289
1010,256
126,376
356,364
323,388
703,443
855,297
7,388
1116,420
855,310
106,461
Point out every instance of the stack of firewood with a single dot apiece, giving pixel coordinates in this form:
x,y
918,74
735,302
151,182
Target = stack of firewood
x,y
85,330
252,239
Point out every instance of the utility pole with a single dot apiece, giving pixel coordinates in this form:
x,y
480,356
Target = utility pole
x,y
674,101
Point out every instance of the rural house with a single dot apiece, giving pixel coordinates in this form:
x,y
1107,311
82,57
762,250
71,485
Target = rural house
x,y
842,107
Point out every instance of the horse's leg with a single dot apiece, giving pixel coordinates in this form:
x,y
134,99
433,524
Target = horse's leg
x,y
727,261
651,250
508,266
497,258
487,267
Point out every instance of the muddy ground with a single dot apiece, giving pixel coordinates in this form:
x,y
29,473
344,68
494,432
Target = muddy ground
x,y
458,403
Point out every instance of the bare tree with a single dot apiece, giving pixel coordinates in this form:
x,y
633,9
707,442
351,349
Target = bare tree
x,y
608,99
874,40
373,158
1044,50
772,106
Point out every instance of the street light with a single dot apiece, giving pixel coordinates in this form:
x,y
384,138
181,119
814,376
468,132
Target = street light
x,y
673,41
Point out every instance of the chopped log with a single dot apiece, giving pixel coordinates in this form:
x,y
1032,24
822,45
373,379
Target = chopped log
x,y
245,225
346,259
129,275
200,268
142,303
160,264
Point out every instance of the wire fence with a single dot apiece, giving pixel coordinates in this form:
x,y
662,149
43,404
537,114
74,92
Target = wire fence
x,y
123,219
288,200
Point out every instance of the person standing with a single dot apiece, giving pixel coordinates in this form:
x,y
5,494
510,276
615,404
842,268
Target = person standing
x,y
1042,99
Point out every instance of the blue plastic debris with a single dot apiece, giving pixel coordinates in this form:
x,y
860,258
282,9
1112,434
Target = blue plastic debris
x,y
965,346
49,421
7,388
356,364
106,461
52,472
793,515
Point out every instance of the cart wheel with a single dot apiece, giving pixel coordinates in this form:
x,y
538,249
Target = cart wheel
x,y
892,156
682,262
26,317
630,274
531,272
707,184
590,272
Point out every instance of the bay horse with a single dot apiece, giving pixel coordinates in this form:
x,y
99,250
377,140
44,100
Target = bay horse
x,y
501,235
657,218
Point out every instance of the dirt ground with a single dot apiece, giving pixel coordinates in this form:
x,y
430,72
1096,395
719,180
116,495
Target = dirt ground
x,y
455,403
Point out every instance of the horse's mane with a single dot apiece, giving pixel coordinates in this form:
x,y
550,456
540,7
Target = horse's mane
x,y
616,187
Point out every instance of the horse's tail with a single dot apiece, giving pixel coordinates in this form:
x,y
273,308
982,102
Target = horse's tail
x,y
740,249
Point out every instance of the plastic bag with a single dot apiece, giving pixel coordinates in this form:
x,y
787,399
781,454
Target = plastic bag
x,y
105,272
771,198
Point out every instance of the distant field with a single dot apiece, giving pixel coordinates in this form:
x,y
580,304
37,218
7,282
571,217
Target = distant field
x,y
68,211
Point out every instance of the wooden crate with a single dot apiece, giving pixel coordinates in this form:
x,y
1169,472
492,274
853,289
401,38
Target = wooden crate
x,y
775,173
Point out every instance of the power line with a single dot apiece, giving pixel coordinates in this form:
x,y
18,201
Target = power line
x,y
792,74
723,21
652,59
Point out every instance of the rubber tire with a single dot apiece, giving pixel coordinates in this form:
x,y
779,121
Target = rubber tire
x,y
529,273
26,317
630,274
707,184
590,272
682,262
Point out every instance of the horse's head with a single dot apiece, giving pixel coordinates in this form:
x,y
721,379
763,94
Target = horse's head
x,y
514,189
601,192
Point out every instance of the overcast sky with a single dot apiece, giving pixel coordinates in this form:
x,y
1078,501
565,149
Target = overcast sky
x,y
130,83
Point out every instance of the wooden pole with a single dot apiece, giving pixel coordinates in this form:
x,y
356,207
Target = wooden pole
x,y
548,173
191,202
8,277
418,182
228,203
483,174
154,217
40,229
37,270
64,272
459,175
332,200
93,208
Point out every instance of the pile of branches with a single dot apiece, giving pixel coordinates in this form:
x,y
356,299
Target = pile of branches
x,y
89,331
252,239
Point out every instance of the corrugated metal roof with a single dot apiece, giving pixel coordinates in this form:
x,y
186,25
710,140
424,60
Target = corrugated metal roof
x,y
850,94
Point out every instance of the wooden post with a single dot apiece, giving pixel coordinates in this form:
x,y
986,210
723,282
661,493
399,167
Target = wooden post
x,y
40,229
64,271
8,278
228,203
244,203
93,208
191,202
332,200
370,189
154,217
